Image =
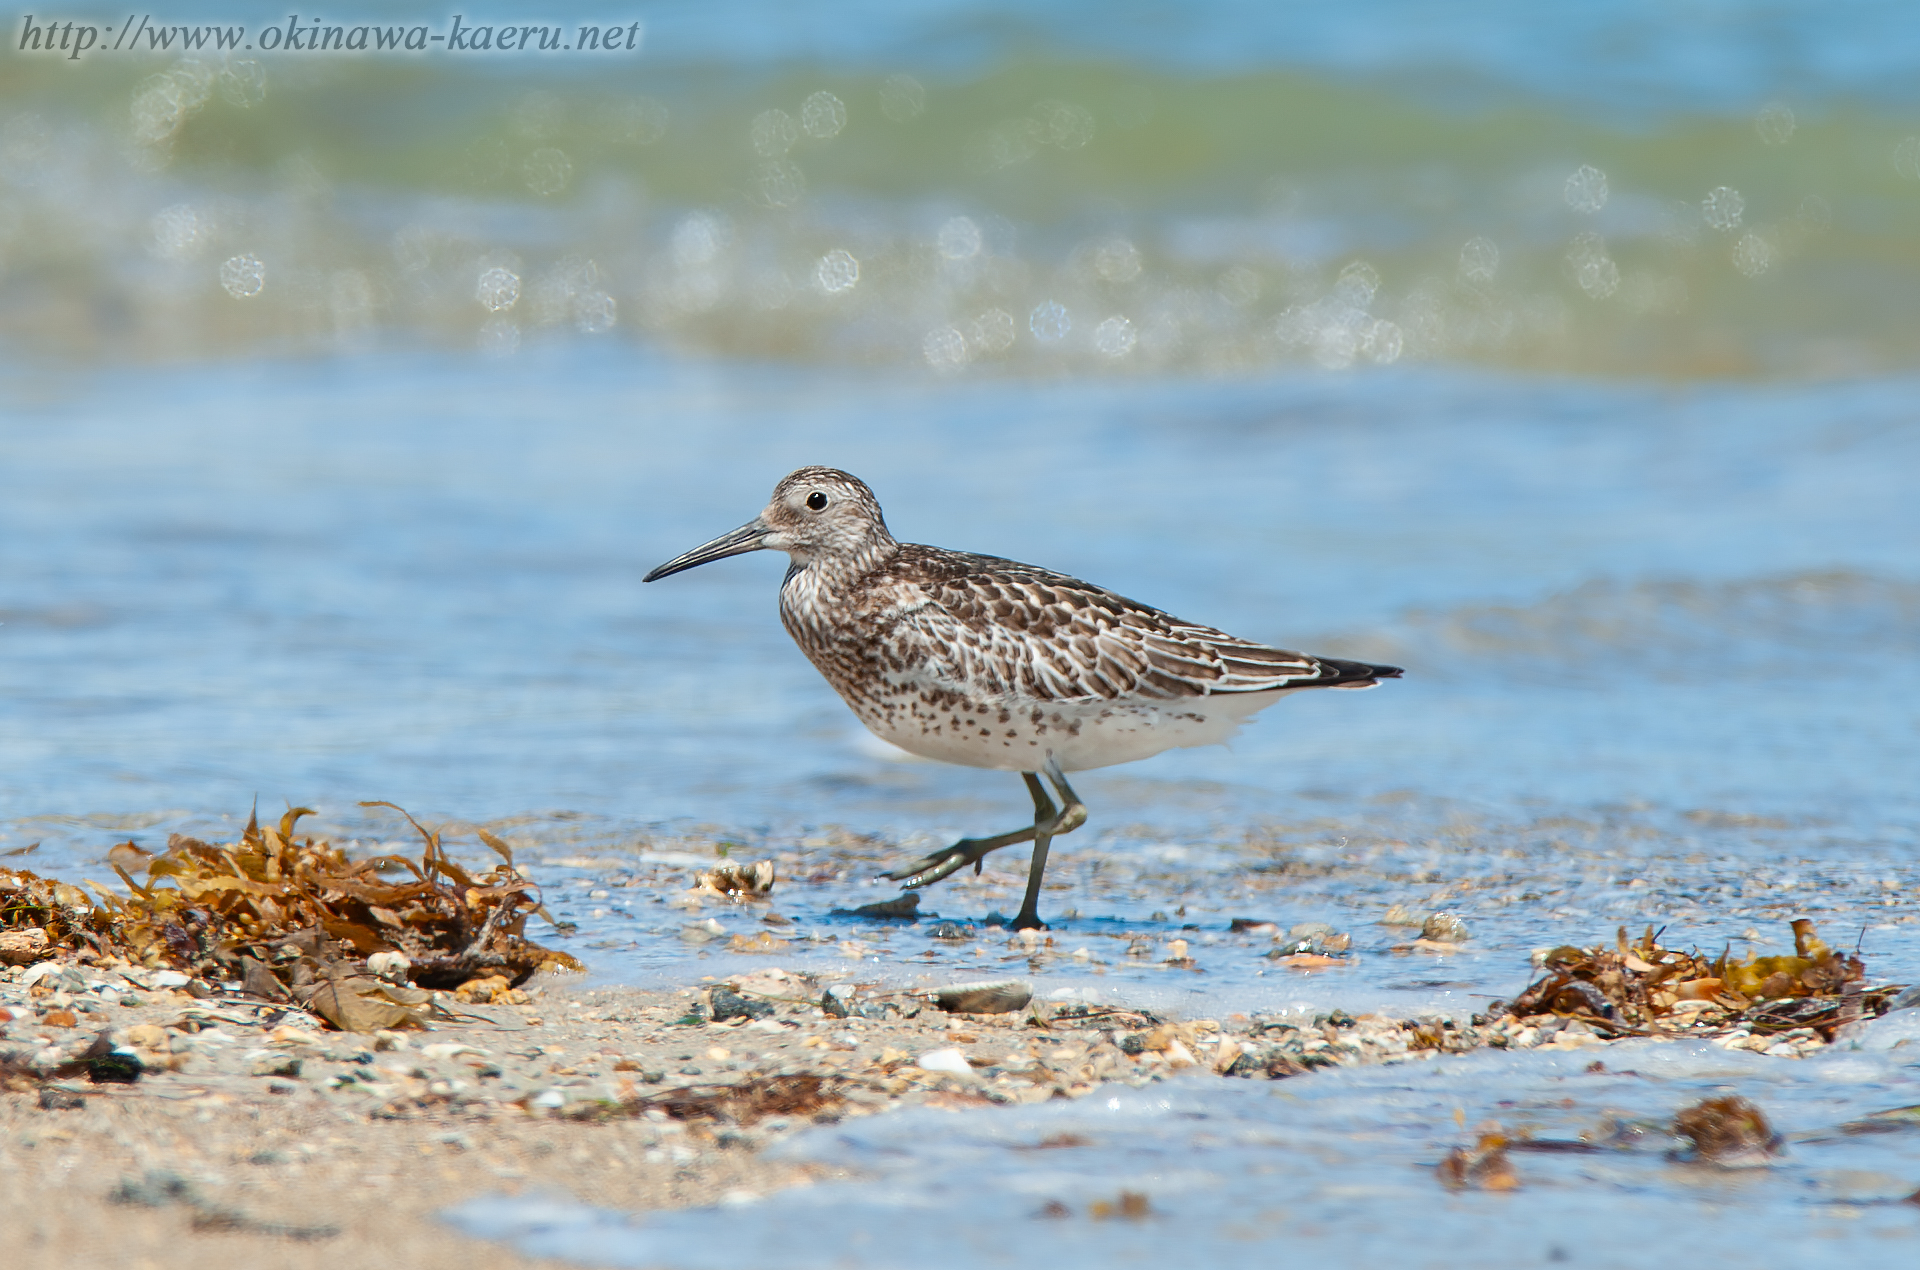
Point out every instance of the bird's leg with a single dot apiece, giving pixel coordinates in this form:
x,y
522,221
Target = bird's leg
x,y
930,869
1047,825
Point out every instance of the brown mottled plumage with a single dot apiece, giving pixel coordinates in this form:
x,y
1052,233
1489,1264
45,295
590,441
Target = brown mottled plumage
x,y
991,663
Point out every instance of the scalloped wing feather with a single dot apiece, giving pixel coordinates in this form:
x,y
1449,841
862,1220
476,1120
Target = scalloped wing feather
x,y
983,622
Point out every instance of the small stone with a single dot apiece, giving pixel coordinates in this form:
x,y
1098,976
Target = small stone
x,y
906,905
1444,928
1002,996
19,947
946,1060
1484,1167
548,1100
276,1065
148,1036
1729,1131
726,1004
394,967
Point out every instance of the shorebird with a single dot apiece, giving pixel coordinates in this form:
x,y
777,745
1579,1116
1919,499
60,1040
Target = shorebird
x,y
991,663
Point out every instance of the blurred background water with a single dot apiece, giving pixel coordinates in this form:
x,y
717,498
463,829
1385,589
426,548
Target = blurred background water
x,y
1565,357
1707,189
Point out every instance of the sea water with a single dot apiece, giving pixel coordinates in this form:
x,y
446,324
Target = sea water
x,y
331,462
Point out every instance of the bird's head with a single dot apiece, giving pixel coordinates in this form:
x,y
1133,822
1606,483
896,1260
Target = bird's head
x,y
815,512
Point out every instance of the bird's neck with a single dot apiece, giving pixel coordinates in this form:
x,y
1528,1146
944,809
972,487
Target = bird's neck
x,y
827,574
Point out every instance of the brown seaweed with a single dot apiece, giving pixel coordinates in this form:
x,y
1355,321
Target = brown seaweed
x,y
1643,988
295,919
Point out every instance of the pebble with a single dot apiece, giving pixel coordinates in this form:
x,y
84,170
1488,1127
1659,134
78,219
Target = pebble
x,y
945,1060
1000,996
394,967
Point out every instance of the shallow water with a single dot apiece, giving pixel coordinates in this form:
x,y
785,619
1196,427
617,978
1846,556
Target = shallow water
x,y
1660,648
1232,1168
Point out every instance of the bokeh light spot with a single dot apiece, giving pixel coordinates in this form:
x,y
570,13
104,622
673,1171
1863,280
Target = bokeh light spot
x,y
823,115
1906,158
1049,321
837,271
773,133
1774,123
1723,207
1586,190
945,348
1116,260
1479,260
243,276
178,232
1115,337
1593,270
594,312
993,331
1752,255
1065,124
498,289
779,183
959,239
243,83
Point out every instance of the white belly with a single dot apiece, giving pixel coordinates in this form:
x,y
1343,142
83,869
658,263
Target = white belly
x,y
1078,736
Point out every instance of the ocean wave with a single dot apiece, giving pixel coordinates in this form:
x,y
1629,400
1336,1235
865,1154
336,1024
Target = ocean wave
x,y
1045,213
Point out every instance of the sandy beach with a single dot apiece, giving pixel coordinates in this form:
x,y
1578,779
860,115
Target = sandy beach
x,y
252,1133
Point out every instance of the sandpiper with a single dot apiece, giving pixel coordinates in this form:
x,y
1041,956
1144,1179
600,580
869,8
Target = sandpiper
x,y
991,663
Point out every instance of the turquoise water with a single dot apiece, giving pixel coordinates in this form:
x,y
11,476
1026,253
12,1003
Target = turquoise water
x,y
1564,358
1704,191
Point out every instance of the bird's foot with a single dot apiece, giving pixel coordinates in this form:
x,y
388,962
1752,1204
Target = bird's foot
x,y
930,869
1027,921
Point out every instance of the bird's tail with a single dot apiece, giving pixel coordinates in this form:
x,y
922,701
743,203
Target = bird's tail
x,y
1335,673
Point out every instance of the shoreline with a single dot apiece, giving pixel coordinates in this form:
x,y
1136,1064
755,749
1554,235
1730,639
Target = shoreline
x,y
250,1130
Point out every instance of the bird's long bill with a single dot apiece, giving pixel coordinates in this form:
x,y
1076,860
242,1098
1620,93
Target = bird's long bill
x,y
734,543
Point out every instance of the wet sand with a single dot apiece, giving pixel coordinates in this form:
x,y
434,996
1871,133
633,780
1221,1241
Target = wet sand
x,y
254,1134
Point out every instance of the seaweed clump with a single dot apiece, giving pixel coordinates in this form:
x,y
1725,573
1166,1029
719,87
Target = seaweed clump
x,y
295,919
1644,989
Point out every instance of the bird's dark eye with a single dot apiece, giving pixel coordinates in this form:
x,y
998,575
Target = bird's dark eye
x,y
817,501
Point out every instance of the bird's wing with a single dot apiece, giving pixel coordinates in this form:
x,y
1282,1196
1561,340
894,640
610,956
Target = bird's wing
x,y
980,622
